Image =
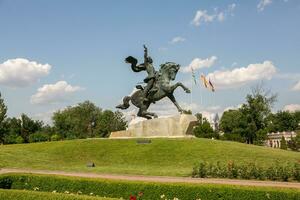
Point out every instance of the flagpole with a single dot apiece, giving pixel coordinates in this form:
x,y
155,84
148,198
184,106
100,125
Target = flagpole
x,y
191,94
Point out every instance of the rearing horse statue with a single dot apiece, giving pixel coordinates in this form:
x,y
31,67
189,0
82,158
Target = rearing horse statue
x,y
160,86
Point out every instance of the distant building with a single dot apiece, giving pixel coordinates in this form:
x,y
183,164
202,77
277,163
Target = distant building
x,y
214,121
273,139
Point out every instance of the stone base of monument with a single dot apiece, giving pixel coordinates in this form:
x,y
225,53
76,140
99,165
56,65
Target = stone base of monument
x,y
170,127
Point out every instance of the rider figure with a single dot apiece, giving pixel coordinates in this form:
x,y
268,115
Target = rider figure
x,y
150,79
147,66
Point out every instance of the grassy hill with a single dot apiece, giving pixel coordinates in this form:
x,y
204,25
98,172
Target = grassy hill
x,y
172,157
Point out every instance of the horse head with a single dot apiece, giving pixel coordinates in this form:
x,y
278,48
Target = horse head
x,y
169,70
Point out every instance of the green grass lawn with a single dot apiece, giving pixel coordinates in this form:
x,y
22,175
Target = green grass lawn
x,y
170,157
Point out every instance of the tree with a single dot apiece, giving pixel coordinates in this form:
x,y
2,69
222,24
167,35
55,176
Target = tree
x,y
234,125
204,130
3,111
296,115
248,123
282,121
29,126
256,110
110,121
87,120
12,128
283,144
294,143
78,121
199,117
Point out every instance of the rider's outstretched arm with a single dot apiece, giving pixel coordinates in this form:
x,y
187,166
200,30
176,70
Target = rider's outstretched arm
x,y
145,54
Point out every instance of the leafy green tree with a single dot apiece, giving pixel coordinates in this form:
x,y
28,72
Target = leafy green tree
x,y
234,125
199,117
29,126
87,120
256,110
110,121
12,128
297,118
3,111
282,121
294,143
204,130
38,137
78,121
283,144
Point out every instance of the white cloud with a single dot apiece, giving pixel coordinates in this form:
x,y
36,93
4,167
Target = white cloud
x,y
177,40
199,63
233,107
202,16
262,4
296,87
243,75
21,72
231,7
292,107
46,117
54,93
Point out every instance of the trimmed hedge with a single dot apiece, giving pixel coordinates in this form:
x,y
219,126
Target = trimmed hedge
x,y
276,172
146,190
30,195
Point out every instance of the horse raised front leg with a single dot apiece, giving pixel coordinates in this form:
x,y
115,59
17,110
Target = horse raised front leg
x,y
179,84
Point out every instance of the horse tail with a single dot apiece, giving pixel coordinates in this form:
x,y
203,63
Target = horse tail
x,y
125,104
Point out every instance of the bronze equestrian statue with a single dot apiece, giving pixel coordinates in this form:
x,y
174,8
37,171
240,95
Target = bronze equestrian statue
x,y
158,85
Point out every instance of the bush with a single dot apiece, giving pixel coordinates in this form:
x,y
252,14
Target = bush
x,y
29,195
55,137
5,183
278,172
38,137
19,140
149,191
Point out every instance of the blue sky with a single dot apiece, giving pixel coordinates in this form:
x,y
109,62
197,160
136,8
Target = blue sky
x,y
84,44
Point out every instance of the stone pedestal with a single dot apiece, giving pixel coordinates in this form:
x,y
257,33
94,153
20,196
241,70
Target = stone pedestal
x,y
174,126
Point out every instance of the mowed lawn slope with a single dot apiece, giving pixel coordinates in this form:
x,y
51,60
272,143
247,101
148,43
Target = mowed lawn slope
x,y
169,157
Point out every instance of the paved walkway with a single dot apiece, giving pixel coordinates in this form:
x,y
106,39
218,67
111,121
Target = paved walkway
x,y
161,179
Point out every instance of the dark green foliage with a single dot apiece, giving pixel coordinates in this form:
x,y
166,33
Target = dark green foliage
x,y
277,171
3,110
283,144
5,183
38,137
87,120
55,137
12,130
109,121
19,140
204,130
248,123
282,121
150,191
29,126
294,143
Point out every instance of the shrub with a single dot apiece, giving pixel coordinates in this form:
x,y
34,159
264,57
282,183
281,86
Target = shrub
x,y
149,191
277,171
5,183
19,140
55,137
38,137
